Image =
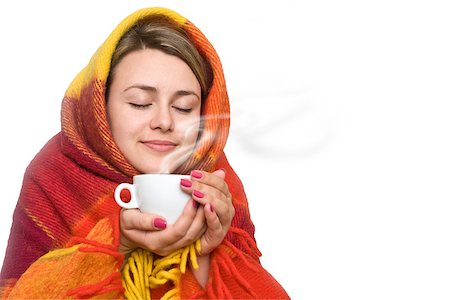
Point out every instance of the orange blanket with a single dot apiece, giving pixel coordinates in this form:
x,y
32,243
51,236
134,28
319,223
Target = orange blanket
x,y
65,233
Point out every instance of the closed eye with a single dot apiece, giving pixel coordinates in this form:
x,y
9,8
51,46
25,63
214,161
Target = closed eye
x,y
183,110
140,106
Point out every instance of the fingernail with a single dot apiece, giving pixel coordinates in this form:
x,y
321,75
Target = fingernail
x,y
198,194
160,223
194,204
211,208
196,174
186,183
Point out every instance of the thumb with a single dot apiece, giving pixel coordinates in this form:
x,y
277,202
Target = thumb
x,y
134,219
221,173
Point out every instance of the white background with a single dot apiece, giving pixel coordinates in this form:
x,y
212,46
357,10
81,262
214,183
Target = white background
x,y
340,128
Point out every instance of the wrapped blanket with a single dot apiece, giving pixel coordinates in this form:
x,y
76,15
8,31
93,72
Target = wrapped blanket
x,y
65,234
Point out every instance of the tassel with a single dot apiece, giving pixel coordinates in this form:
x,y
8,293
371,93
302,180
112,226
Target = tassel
x,y
142,272
110,283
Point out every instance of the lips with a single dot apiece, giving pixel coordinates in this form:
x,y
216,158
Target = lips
x,y
160,145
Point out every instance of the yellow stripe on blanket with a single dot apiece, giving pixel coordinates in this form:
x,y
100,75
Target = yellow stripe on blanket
x,y
60,252
99,66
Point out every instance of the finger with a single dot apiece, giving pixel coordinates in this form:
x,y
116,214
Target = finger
x,y
186,185
135,219
215,179
187,216
213,235
212,219
207,194
197,229
220,173
152,241
180,228
175,237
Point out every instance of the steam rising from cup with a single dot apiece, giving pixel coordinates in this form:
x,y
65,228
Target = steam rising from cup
x,y
181,154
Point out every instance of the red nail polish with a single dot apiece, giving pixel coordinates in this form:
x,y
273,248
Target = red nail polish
x,y
198,194
194,204
186,183
211,208
196,174
160,223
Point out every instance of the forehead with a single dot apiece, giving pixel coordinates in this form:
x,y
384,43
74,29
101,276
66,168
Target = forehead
x,y
154,67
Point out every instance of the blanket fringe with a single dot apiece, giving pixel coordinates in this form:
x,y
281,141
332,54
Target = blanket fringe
x,y
111,282
143,272
246,241
223,262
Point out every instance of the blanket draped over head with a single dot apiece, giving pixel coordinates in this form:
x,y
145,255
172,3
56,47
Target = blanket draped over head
x,y
65,234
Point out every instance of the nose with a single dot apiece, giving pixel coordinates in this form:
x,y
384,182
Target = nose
x,y
162,119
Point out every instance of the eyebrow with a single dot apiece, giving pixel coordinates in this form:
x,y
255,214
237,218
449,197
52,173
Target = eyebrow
x,y
187,93
154,89
141,87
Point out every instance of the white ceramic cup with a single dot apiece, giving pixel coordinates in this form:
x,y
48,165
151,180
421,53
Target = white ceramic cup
x,y
159,194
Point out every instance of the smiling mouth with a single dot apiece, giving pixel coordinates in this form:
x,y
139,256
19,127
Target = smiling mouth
x,y
160,146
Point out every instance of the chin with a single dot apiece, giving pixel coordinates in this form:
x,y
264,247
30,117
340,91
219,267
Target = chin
x,y
157,169
163,165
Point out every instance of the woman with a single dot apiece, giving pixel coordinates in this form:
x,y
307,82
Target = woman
x,y
152,99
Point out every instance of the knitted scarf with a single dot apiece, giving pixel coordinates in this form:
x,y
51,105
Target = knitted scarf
x,y
65,233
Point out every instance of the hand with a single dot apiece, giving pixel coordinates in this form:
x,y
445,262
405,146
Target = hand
x,y
210,190
150,231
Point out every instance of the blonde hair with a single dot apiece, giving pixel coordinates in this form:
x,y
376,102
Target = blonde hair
x,y
161,33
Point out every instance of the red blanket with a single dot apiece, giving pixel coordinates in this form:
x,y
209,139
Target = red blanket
x,y
64,237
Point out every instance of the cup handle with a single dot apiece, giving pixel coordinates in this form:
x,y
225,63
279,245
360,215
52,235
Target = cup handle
x,y
133,201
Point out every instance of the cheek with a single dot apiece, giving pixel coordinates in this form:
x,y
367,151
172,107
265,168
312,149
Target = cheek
x,y
126,130
189,130
115,123
122,125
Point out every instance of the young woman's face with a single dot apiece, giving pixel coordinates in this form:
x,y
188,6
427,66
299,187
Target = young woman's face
x,y
154,107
